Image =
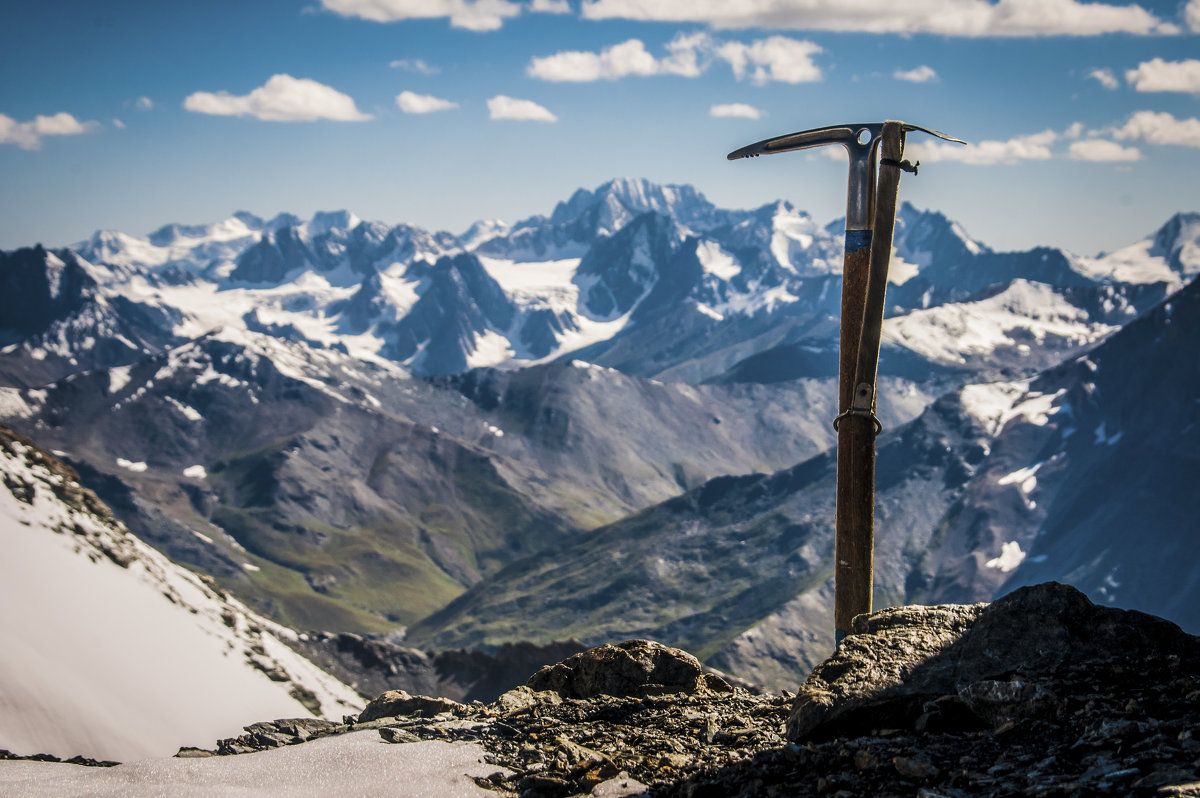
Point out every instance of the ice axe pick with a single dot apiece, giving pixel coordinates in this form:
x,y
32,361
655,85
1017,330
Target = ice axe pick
x,y
874,148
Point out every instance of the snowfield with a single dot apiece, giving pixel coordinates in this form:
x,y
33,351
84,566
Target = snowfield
x,y
112,651
359,763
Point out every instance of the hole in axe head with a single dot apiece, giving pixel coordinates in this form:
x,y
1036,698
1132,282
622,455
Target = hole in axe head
x,y
864,136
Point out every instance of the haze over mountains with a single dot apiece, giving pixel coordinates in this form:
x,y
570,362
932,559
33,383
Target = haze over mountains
x,y
612,420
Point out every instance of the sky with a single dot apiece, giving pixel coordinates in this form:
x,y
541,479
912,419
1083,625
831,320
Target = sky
x,y
1082,118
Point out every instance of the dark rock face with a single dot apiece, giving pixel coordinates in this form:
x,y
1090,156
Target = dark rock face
x,y
989,664
631,668
37,288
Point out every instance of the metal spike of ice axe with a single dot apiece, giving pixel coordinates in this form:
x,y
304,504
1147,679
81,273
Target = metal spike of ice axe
x,y
870,220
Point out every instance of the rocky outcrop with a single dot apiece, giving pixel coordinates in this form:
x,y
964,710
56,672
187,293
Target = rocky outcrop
x,y
976,666
631,668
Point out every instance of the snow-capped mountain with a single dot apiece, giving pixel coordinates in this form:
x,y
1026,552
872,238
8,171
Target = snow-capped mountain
x,y
652,280
113,651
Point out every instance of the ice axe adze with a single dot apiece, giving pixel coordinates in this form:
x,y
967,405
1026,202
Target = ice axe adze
x,y
870,220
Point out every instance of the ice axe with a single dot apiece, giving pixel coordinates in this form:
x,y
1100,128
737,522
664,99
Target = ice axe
x,y
877,147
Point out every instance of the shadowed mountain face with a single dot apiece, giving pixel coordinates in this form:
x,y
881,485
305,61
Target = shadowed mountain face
x,y
589,424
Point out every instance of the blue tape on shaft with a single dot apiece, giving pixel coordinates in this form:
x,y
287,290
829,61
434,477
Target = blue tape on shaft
x,y
858,239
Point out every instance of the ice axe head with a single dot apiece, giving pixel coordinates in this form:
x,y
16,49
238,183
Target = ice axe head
x,y
861,142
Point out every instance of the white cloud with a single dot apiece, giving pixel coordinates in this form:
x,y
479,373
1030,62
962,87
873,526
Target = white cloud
x,y
1074,131
1160,128
413,103
143,103
283,98
735,110
622,60
944,17
1191,16
477,15
550,7
618,61
1102,150
501,107
118,124
1034,147
688,55
1160,75
775,58
417,65
1105,78
922,74
28,135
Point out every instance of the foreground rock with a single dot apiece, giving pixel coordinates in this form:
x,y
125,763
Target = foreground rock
x,y
1040,693
631,668
979,666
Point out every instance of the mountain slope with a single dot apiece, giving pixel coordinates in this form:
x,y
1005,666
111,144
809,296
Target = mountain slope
x,y
1030,473
112,651
365,500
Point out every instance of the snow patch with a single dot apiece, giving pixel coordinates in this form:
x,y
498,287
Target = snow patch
x,y
12,405
491,349
956,333
118,378
716,261
129,465
1010,557
1024,478
187,411
195,472
995,404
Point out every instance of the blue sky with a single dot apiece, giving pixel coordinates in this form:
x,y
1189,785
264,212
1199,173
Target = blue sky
x,y
1082,117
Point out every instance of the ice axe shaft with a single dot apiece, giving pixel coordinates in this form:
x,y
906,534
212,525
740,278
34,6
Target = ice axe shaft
x,y
870,220
858,425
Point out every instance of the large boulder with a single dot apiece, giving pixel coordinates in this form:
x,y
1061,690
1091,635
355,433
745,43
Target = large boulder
x,y
398,703
631,668
957,667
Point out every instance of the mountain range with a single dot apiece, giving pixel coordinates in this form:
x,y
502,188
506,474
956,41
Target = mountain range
x,y
612,420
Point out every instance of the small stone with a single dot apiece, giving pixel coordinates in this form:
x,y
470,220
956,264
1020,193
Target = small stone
x,y
188,752
393,734
915,767
865,760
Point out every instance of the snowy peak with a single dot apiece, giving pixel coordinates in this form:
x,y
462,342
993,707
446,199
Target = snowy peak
x,y
1167,257
615,203
481,232
1178,242
923,236
325,222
